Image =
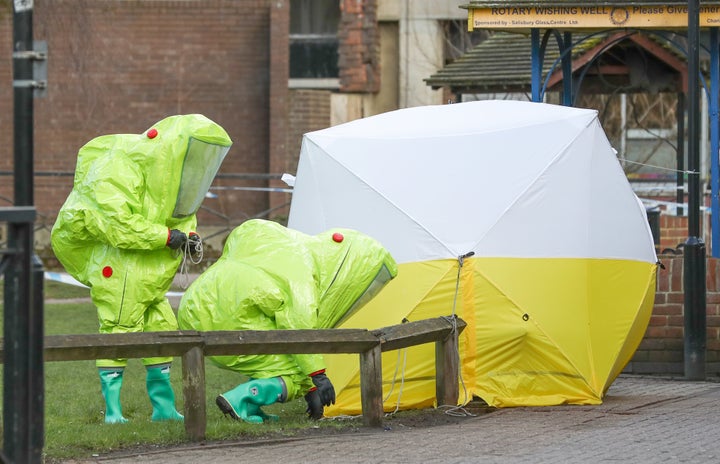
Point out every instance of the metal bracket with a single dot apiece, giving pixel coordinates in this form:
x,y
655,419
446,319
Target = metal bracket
x,y
20,83
30,54
17,214
39,57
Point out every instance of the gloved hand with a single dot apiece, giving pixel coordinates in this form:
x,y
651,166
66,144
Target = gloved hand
x,y
314,406
325,388
194,247
176,239
194,240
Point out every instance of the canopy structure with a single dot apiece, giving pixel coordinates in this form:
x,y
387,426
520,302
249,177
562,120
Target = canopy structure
x,y
515,216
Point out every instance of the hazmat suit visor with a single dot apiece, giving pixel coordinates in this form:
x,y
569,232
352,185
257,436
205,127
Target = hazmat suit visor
x,y
201,164
351,269
381,279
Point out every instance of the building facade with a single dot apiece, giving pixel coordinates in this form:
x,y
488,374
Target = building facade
x,y
118,66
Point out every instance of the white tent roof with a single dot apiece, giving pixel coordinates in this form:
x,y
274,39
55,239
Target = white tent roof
x,y
499,178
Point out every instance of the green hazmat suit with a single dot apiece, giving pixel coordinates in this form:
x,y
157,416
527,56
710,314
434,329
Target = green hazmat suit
x,y
272,277
129,191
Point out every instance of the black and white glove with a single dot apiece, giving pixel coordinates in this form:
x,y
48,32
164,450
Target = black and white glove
x,y
325,388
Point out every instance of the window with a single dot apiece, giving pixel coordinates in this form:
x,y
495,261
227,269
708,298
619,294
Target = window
x,y
314,38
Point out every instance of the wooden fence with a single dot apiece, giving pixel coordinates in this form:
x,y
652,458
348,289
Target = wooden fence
x,y
193,346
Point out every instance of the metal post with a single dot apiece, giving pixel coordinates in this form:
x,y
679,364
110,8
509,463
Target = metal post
x,y
694,250
680,155
35,344
566,50
16,368
23,380
535,64
714,142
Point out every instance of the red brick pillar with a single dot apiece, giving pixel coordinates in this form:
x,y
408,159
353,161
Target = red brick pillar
x,y
359,45
279,75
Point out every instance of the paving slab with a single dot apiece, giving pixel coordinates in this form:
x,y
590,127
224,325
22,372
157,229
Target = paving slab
x,y
643,419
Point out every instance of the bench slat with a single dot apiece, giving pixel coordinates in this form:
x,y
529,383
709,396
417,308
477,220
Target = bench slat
x,y
416,333
78,347
289,341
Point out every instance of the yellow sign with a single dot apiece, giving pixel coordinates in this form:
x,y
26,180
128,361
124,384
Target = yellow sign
x,y
593,17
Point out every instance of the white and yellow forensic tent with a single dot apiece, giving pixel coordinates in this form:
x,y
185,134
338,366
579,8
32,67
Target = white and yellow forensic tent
x,y
560,284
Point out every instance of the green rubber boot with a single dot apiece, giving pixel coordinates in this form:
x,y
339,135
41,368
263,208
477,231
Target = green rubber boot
x,y
161,394
243,402
111,383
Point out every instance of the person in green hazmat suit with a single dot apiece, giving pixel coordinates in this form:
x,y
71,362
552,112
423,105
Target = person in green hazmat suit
x,y
123,229
272,277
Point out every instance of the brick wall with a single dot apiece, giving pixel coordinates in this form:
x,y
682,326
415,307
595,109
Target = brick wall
x,y
359,47
662,348
279,104
307,111
673,231
118,66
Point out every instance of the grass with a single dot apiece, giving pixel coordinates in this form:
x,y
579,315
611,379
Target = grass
x,y
74,427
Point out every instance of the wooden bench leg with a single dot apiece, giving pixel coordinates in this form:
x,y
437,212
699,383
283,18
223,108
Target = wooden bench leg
x,y
447,389
193,363
371,386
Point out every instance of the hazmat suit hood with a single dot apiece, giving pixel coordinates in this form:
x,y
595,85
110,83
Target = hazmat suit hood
x,y
272,277
129,189
352,269
333,272
178,157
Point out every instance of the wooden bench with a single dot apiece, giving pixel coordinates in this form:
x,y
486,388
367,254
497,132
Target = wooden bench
x,y
193,346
